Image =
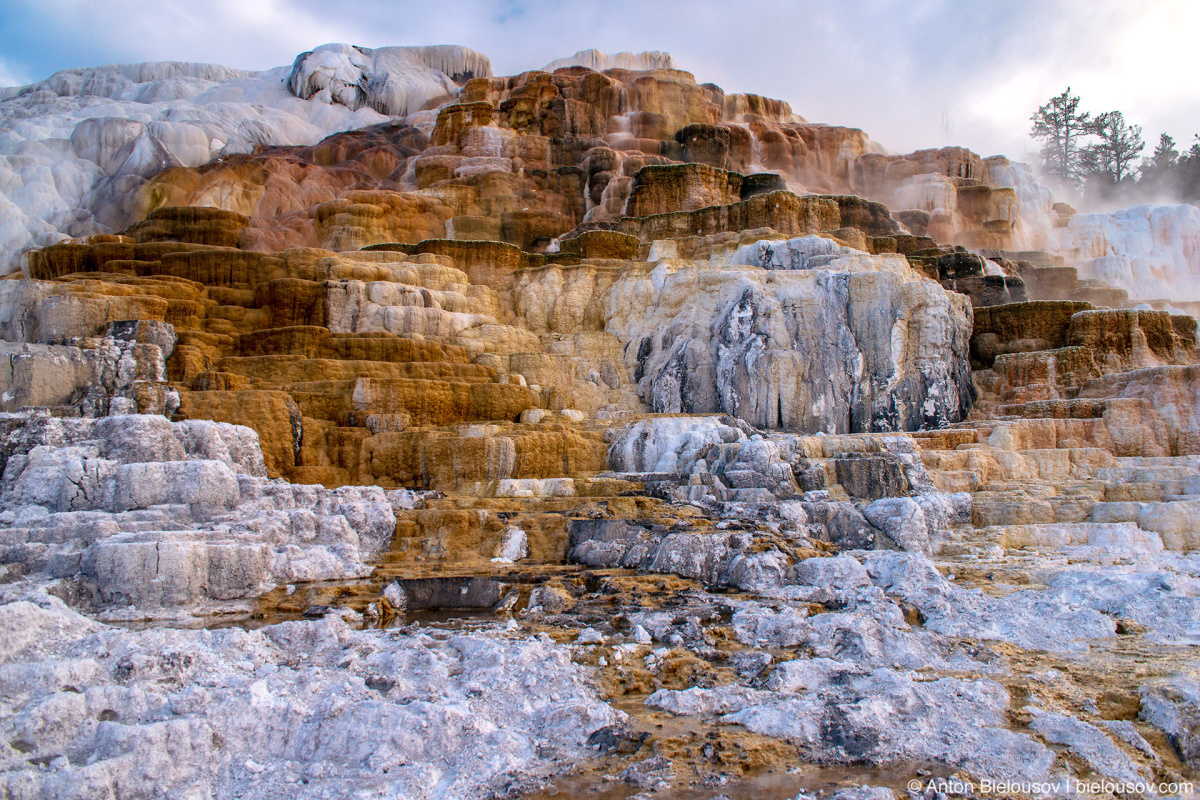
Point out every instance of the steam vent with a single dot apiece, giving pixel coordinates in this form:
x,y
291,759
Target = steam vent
x,y
378,426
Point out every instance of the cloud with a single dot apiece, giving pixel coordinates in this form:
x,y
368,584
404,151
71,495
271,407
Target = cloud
x,y
917,73
10,76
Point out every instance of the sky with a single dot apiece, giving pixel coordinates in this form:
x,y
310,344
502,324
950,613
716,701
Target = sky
x,y
912,74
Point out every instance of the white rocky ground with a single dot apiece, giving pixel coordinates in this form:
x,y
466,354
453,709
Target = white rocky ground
x,y
902,661
137,517
299,709
873,688
903,665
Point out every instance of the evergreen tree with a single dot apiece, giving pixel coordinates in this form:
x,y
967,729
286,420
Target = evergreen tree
x,y
1120,143
1187,173
1163,160
1160,173
1060,126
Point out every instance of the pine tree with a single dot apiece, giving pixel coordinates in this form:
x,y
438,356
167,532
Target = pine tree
x,y
1164,158
1160,173
1120,143
1059,126
1187,171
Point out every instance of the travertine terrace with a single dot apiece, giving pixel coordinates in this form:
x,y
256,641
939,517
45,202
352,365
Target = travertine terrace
x,y
439,434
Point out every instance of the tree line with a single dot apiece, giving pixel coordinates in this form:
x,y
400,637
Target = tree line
x,y
1098,156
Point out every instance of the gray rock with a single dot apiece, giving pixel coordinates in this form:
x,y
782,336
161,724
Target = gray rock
x,y
652,774
807,349
1030,619
719,558
880,717
803,252
920,523
1126,732
698,702
761,626
589,636
871,634
156,515
234,445
809,674
720,463
749,665
902,521
89,376
835,576
394,594
514,545
669,444
230,712
209,487
163,569
148,331
758,463
138,438
865,793
1164,600
1089,743
1173,706
549,599
873,475
839,523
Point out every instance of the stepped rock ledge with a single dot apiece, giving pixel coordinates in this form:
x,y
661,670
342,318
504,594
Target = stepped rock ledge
x,y
381,426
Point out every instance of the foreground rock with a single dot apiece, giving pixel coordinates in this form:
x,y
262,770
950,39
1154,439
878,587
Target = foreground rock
x,y
842,715
310,709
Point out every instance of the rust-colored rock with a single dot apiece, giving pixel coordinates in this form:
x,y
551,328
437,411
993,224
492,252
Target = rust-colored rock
x,y
681,187
1021,326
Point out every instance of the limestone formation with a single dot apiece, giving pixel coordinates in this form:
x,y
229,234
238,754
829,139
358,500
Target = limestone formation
x,y
143,516
596,60
311,707
389,79
461,410
798,343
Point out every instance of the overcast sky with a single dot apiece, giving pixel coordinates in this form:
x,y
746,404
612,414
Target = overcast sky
x,y
911,73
